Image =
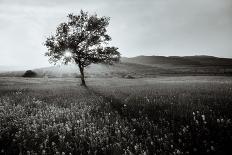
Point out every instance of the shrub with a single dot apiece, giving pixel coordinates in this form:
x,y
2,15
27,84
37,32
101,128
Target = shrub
x,y
129,77
29,73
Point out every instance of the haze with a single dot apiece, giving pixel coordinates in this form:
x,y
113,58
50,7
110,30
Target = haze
x,y
137,27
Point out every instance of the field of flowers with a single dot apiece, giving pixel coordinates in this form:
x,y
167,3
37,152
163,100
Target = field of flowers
x,y
116,116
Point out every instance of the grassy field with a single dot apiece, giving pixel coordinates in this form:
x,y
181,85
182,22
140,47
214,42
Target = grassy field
x,y
163,115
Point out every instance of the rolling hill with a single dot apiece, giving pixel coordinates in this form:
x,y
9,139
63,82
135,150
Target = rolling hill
x,y
198,60
142,66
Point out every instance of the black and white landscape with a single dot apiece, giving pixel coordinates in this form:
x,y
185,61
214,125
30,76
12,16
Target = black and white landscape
x,y
115,77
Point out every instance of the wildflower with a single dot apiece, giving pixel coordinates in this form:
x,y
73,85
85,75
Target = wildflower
x,y
178,151
212,148
184,130
136,147
203,117
133,119
222,120
67,127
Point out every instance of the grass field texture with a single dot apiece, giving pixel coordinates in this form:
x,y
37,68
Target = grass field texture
x,y
163,115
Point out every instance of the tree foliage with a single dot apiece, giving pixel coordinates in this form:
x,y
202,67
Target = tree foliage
x,y
85,37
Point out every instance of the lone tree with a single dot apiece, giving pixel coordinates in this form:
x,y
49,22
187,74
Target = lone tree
x,y
83,39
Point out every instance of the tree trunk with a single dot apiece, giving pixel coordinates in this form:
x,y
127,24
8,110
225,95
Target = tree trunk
x,y
82,76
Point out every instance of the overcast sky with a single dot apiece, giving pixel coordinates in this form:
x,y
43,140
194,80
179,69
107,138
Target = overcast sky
x,y
137,27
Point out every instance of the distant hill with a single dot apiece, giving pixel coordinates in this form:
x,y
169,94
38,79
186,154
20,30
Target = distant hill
x,y
210,60
201,60
161,60
141,66
97,70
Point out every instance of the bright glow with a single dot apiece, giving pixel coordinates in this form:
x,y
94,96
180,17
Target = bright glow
x,y
68,54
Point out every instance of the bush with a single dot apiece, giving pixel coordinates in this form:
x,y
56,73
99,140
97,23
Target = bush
x,y
129,77
29,73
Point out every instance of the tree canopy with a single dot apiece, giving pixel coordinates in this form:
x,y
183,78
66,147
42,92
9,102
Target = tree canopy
x,y
83,39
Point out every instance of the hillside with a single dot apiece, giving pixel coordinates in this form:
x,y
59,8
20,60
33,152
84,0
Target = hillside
x,y
141,66
160,60
99,70
201,60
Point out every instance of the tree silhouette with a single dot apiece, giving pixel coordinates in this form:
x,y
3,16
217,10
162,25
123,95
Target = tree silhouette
x,y
83,39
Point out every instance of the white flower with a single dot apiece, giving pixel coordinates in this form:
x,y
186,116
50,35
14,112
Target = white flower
x,y
178,151
203,117
212,148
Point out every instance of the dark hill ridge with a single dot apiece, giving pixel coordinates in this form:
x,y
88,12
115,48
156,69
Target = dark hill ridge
x,y
200,60
152,60
210,60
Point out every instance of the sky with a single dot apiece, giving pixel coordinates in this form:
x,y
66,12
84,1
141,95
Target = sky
x,y
137,27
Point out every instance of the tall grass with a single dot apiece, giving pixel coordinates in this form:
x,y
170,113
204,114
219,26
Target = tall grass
x,y
160,118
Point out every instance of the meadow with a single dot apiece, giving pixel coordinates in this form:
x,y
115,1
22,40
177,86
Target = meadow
x,y
163,115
